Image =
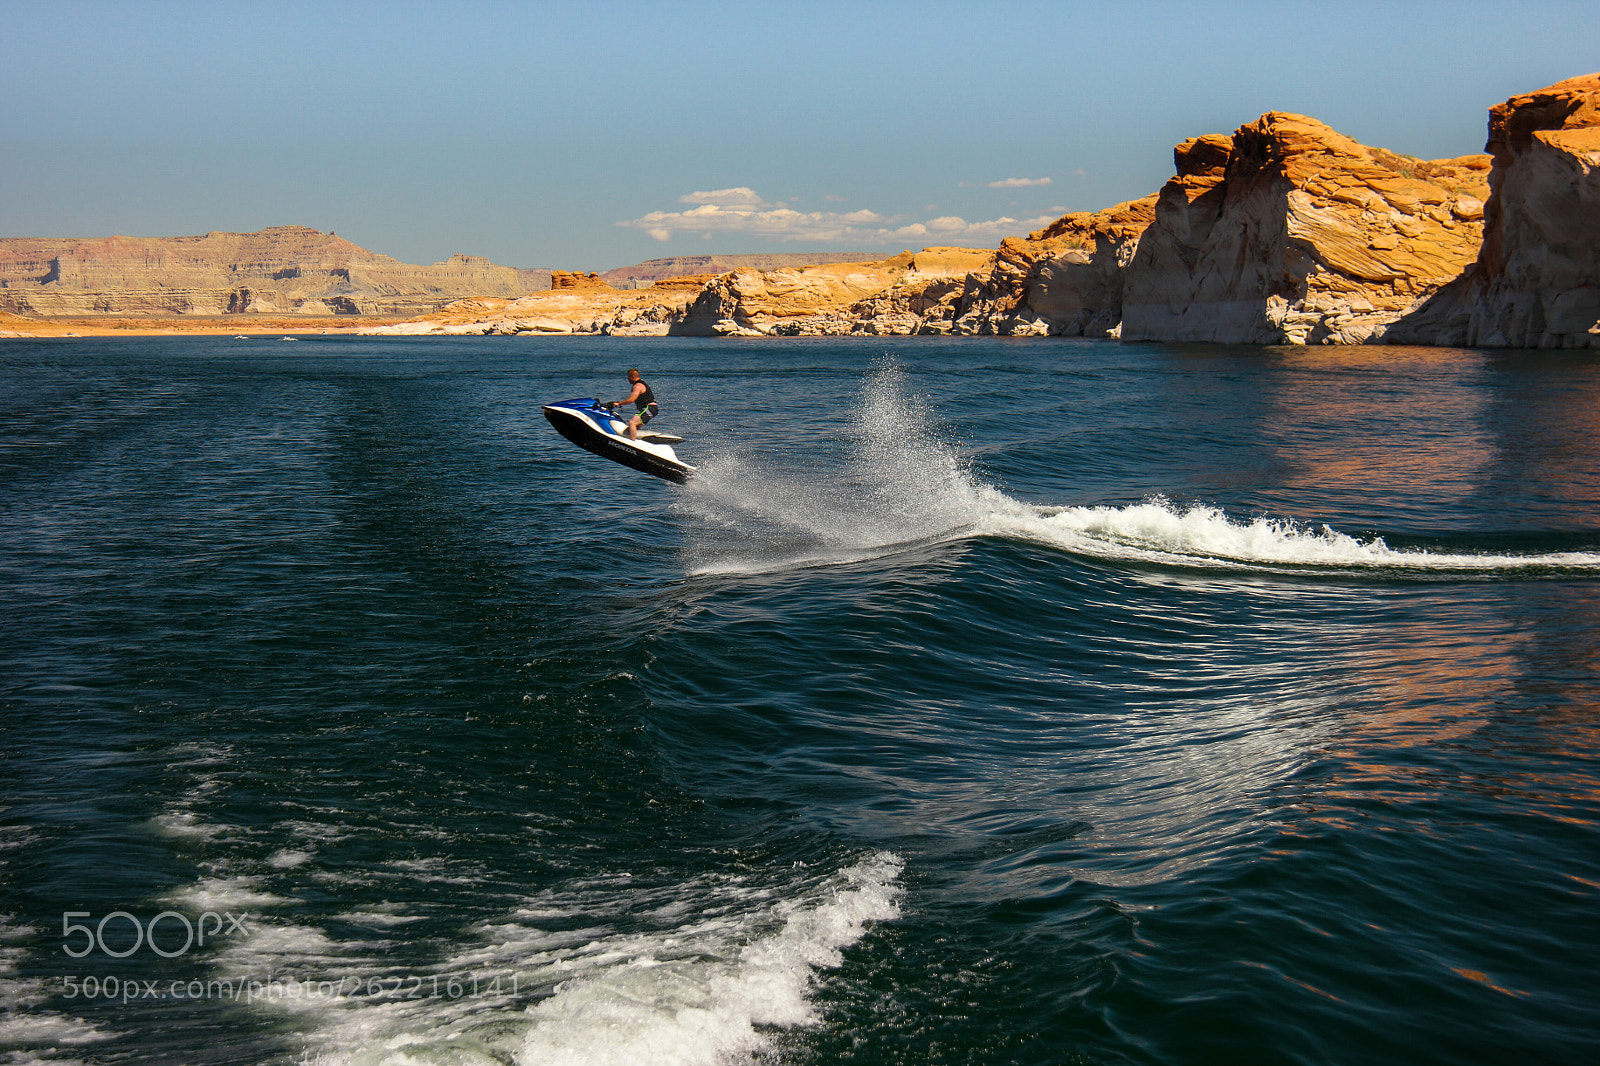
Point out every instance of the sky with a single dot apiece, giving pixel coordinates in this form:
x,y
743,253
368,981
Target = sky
x,y
593,134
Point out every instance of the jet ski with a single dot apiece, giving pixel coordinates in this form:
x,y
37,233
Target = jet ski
x,y
593,427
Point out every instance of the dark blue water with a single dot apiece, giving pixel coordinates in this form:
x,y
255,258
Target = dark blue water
x,y
984,701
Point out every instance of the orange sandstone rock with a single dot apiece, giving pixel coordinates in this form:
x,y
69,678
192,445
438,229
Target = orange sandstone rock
x,y
1536,283
565,279
1065,279
907,293
1286,231
1295,233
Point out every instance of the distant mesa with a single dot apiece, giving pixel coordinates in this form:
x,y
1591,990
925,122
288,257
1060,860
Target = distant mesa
x,y
280,270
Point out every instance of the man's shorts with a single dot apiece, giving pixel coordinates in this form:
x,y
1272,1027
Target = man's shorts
x,y
649,412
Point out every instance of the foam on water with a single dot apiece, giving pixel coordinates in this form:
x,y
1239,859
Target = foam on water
x,y
28,1032
187,825
1158,531
288,858
701,972
902,487
224,893
640,1007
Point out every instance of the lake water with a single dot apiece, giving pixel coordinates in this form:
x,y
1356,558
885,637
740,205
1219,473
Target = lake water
x,y
982,701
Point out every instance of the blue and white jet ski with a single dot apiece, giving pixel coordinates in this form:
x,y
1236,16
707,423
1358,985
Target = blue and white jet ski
x,y
594,427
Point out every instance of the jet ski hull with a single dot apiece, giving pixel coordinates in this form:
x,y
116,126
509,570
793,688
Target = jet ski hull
x,y
596,430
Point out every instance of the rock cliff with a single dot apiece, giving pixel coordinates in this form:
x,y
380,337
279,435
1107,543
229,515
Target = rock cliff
x,y
1290,232
1063,280
284,269
571,279
908,293
1536,280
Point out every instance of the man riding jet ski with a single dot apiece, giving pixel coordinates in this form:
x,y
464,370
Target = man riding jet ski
x,y
596,427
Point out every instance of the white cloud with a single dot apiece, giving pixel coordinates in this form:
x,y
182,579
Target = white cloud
x,y
1017,183
741,210
741,196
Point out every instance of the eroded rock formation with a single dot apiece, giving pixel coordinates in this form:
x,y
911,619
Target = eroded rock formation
x,y
569,279
905,294
1290,232
1536,281
908,293
281,270
1063,280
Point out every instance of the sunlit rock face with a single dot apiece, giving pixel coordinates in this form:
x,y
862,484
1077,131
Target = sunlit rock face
x,y
577,279
1536,283
1290,232
1063,280
808,300
905,294
280,270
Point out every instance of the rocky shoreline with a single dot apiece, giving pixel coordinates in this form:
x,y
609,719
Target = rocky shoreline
x,y
186,325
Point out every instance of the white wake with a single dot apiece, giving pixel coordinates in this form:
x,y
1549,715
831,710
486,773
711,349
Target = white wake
x,y
900,487
597,973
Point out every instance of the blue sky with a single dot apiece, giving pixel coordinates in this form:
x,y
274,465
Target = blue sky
x,y
589,135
